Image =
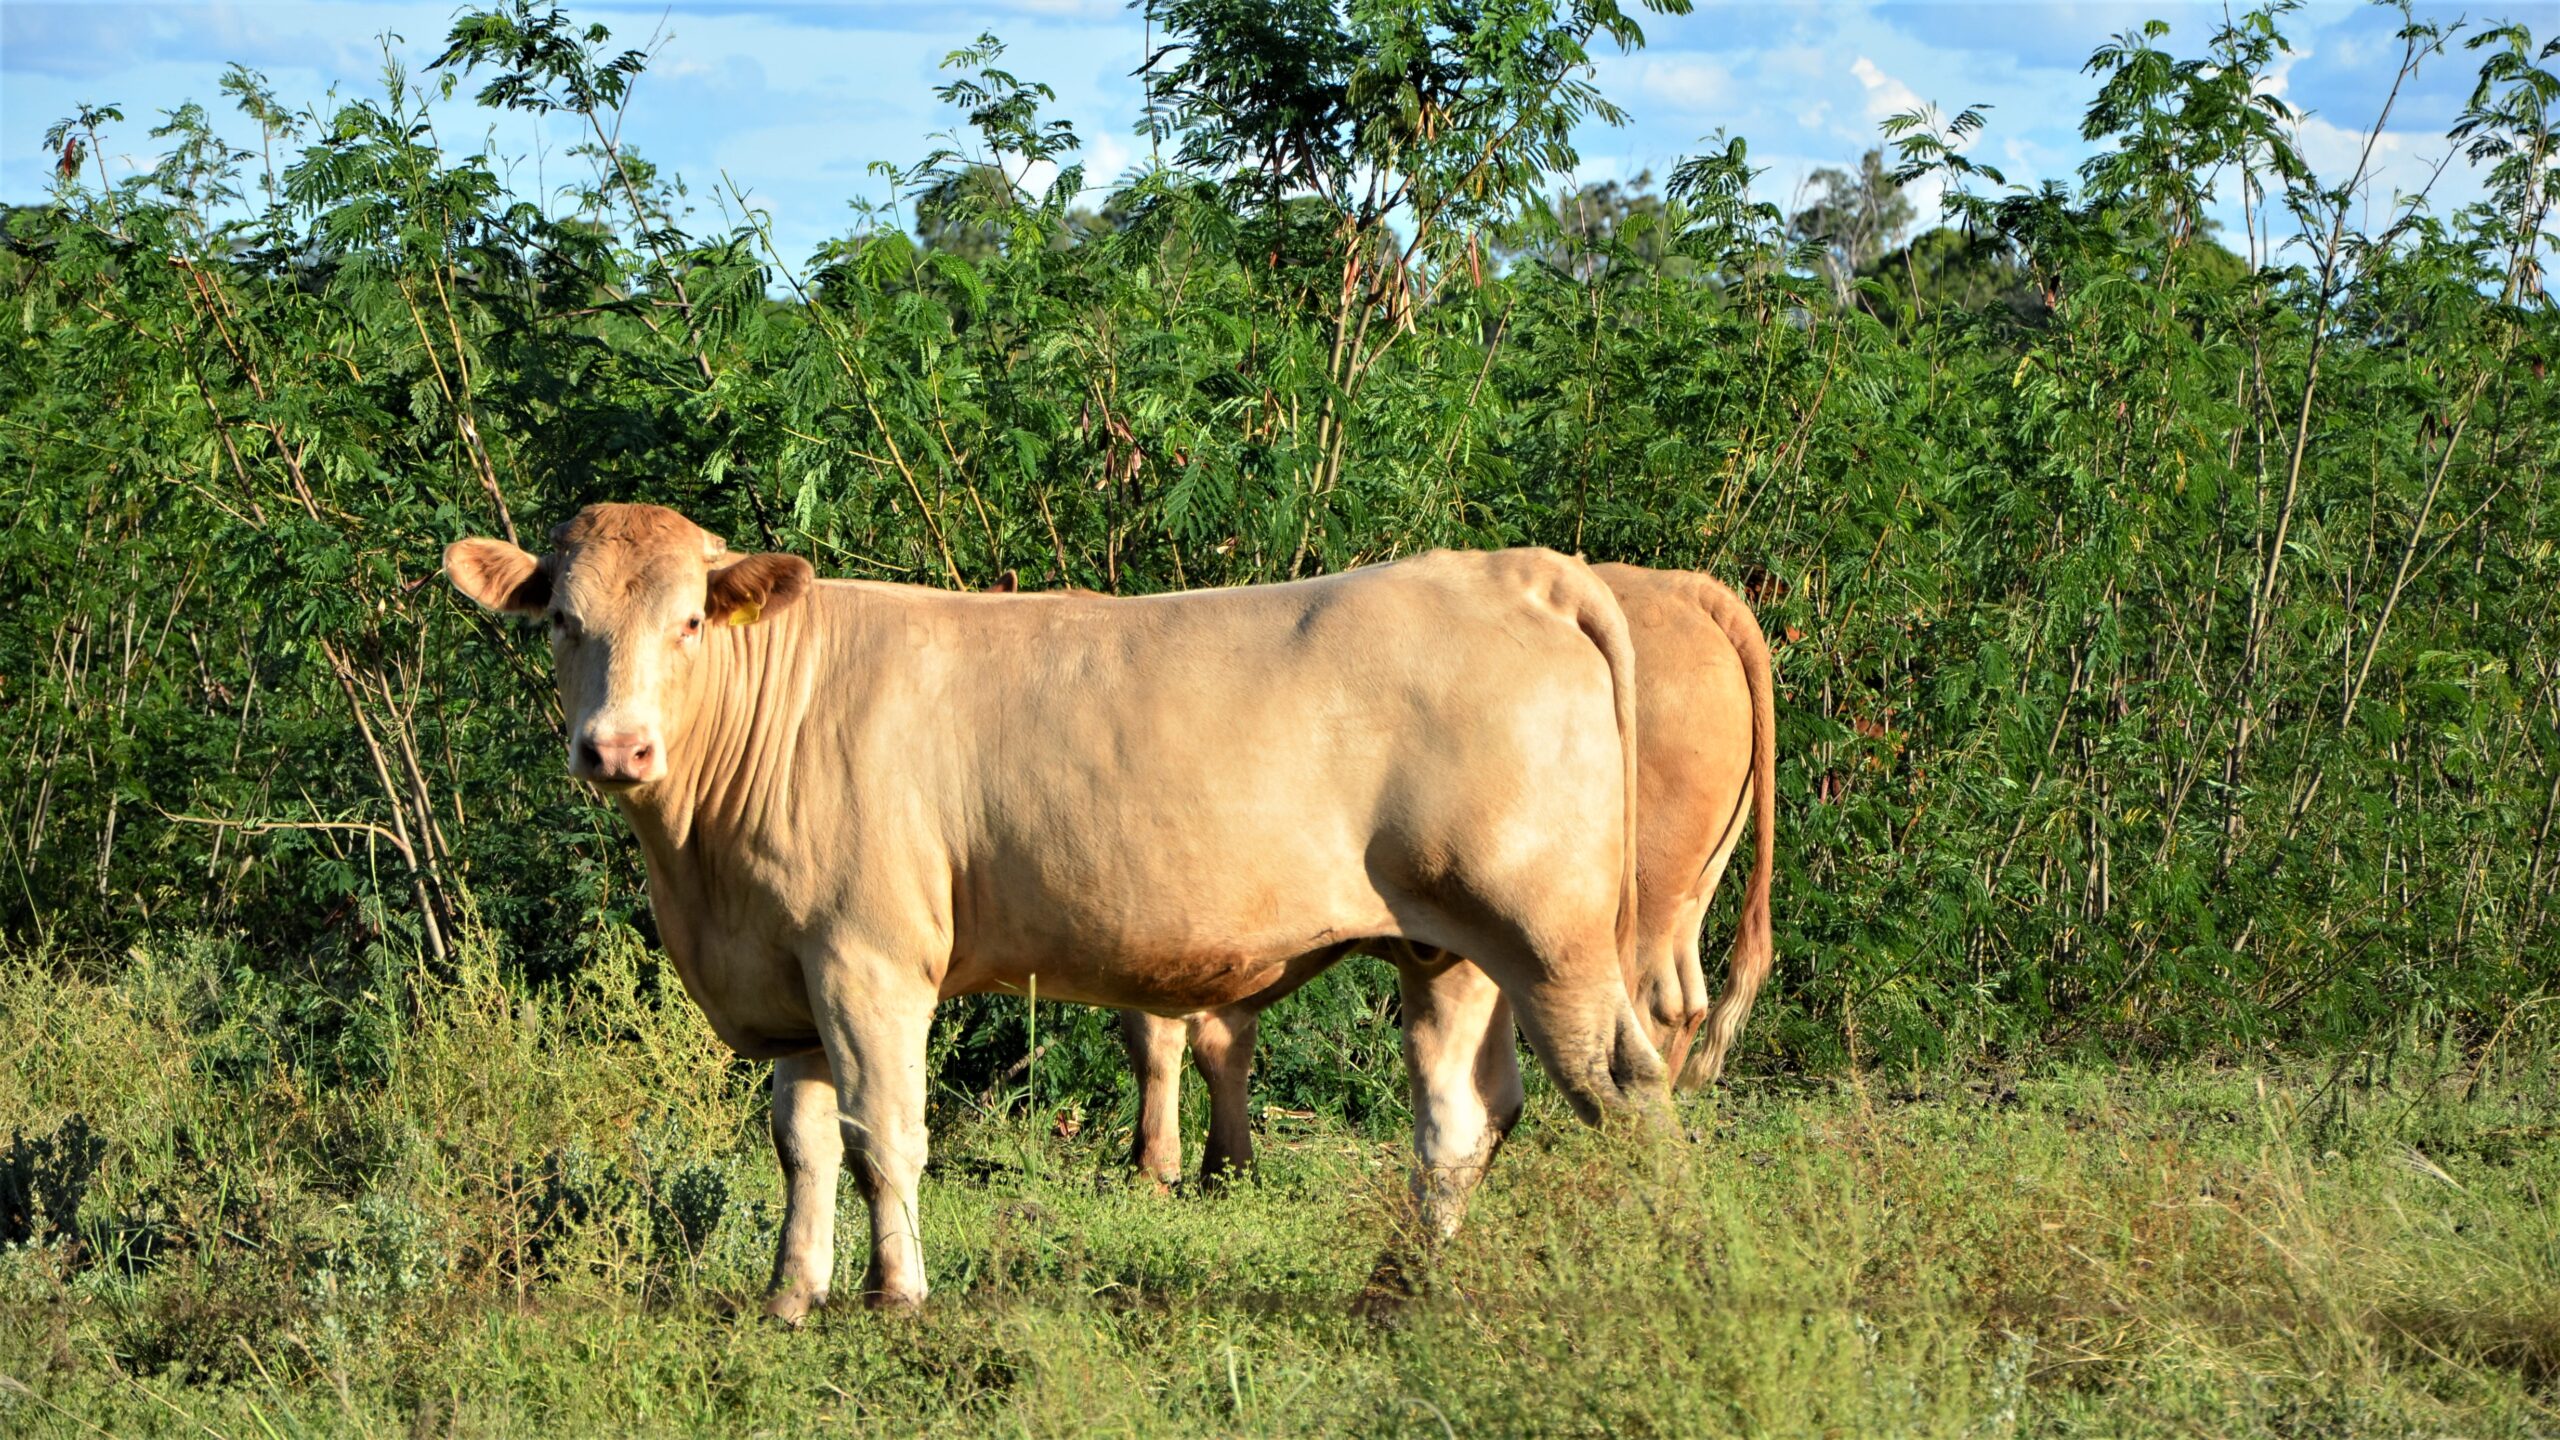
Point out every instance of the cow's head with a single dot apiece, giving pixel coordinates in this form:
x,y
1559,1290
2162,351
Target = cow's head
x,y
628,591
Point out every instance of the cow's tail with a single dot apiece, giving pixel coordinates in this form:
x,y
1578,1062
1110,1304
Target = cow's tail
x,y
1754,944
1634,1067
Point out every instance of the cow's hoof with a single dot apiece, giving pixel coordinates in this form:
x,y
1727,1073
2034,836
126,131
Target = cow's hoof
x,y
1393,1286
1221,1173
791,1305
893,1302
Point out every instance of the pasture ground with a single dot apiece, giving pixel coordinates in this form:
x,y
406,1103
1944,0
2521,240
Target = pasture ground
x,y
464,1210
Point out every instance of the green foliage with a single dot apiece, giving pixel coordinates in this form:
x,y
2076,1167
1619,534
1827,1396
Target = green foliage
x,y
2164,654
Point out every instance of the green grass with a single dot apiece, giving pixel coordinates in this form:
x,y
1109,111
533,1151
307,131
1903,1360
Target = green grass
x,y
473,1211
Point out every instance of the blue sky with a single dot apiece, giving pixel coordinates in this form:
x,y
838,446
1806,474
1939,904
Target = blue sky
x,y
793,99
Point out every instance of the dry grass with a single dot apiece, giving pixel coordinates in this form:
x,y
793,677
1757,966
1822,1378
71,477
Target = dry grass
x,y
505,1215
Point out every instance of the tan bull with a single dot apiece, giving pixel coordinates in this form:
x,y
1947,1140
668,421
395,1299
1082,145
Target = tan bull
x,y
855,799
1707,747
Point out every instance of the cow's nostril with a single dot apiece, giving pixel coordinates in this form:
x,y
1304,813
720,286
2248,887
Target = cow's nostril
x,y
588,756
640,754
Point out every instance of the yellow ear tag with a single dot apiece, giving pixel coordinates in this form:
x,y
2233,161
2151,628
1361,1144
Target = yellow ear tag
x,y
747,614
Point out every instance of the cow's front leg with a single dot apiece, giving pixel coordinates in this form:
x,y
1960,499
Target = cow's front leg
x,y
1155,1059
808,1142
875,1018
1222,1046
1464,1071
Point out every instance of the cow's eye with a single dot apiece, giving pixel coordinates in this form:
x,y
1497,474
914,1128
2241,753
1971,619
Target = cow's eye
x,y
692,626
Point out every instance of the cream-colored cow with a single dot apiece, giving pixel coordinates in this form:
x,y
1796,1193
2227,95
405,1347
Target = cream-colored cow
x,y
1707,753
855,799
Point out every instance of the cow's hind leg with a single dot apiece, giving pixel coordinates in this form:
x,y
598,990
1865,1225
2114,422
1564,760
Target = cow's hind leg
x,y
1572,1006
875,1018
1154,1044
1222,1046
1682,1037
1464,1075
811,1149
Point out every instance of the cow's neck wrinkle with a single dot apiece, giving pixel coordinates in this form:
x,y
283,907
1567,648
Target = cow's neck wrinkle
x,y
731,746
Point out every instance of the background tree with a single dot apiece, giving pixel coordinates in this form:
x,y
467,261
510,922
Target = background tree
x,y
1854,217
2162,665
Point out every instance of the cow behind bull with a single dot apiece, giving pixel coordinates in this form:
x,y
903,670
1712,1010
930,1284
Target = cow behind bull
x,y
1707,721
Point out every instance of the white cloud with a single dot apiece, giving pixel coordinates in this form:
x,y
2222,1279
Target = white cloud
x,y
1886,96
2350,49
1106,155
1804,62
1685,86
2277,77
2402,164
1927,196
2334,151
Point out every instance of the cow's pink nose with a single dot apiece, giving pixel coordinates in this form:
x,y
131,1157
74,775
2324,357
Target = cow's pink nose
x,y
617,759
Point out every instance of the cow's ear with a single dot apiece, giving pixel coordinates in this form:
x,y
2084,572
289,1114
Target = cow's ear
x,y
756,586
498,575
1008,583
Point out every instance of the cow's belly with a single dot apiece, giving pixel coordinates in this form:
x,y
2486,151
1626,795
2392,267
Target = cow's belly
x,y
1165,982
1174,937
1163,892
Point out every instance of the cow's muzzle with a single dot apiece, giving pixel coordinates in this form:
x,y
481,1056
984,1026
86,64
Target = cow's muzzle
x,y
617,760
